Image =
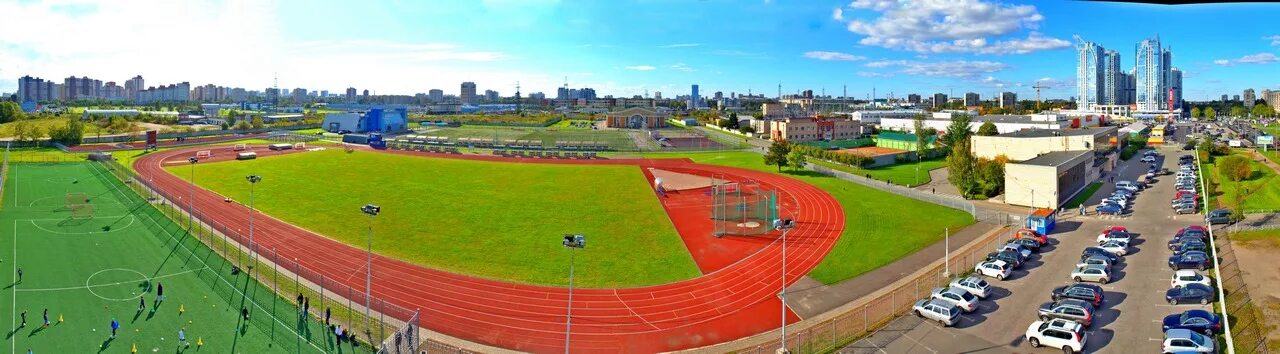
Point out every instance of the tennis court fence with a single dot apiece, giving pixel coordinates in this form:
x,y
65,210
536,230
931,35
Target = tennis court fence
x,y
394,329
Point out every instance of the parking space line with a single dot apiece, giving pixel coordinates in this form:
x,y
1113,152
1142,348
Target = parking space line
x,y
904,335
873,344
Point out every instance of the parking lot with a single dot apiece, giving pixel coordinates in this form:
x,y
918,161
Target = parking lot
x,y
1128,321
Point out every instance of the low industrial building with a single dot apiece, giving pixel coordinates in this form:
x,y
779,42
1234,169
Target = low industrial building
x,y
1027,144
1135,130
1003,123
636,118
803,129
874,117
1048,180
373,120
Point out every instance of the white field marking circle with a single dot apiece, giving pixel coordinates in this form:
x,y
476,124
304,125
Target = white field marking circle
x,y
113,229
112,284
37,201
90,287
60,179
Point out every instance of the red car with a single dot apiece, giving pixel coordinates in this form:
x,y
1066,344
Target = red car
x,y
1182,193
1031,234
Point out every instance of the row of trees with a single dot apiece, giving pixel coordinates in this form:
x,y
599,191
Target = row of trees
x,y
974,177
1260,109
70,133
10,111
783,154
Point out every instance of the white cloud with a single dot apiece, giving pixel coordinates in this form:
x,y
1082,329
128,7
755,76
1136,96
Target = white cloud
x,y
680,45
1260,58
823,55
641,67
952,26
955,69
1275,39
1052,83
837,14
873,74
682,67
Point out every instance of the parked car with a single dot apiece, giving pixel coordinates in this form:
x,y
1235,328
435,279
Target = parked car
x,y
1057,333
1186,341
996,269
1012,258
1186,276
1116,247
1079,291
960,297
1095,260
1218,216
1195,320
1097,274
974,285
1108,209
1186,208
1190,260
1031,234
1027,243
1177,242
1191,246
1183,194
1190,293
1148,158
1098,252
1127,185
1022,251
1071,309
944,312
1203,232
1110,234
1183,199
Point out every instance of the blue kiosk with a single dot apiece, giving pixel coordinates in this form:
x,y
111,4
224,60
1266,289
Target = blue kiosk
x,y
1042,221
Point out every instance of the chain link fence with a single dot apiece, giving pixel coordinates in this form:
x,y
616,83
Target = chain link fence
x,y
949,201
368,318
1248,330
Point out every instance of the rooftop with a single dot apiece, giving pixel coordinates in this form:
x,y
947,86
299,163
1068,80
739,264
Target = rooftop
x,y
1056,158
1042,133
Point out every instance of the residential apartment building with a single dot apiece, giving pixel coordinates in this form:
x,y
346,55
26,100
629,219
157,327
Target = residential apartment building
x,y
1249,98
468,93
180,92
1090,74
34,89
913,99
1153,73
971,99
1008,100
83,88
435,95
939,101
802,129
133,86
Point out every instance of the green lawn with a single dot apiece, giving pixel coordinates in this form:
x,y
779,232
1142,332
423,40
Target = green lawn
x,y
880,227
1083,196
489,219
904,174
87,272
6,129
1261,191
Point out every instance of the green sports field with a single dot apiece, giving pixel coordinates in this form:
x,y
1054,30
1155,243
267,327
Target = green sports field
x,y
89,270
488,219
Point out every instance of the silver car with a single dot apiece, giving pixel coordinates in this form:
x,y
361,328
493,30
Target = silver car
x,y
1093,273
1071,309
943,312
974,285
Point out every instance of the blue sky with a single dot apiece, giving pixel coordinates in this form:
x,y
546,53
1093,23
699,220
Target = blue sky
x,y
628,47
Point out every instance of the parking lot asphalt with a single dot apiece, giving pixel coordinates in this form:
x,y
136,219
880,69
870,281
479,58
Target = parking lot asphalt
x,y
1129,319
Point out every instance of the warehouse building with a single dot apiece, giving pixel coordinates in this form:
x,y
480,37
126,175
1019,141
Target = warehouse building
x,y
373,120
1027,144
1048,180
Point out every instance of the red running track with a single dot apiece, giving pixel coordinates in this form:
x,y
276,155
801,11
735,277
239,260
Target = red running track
x,y
732,302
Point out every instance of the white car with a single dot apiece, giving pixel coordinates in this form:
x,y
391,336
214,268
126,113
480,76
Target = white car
x,y
937,310
1128,185
1023,251
1115,236
996,269
1059,333
1187,276
1093,273
960,297
1148,158
1116,247
1095,260
1180,340
974,285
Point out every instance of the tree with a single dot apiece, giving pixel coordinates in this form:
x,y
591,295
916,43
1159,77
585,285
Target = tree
x,y
257,122
796,158
960,165
10,111
958,130
1235,167
746,129
1210,114
1262,110
1195,112
1238,111
988,129
243,125
733,120
22,130
922,137
777,154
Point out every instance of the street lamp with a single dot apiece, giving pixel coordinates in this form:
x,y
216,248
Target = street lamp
x,y
372,211
784,225
191,195
253,180
571,242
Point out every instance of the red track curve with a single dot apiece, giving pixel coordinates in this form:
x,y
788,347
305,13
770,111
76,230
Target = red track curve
x,y
730,303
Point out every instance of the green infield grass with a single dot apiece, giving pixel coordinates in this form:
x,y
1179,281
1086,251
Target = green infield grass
x,y
880,227
617,140
488,219
95,267
903,174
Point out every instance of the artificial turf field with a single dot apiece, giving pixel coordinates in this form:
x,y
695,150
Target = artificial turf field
x,y
89,271
489,219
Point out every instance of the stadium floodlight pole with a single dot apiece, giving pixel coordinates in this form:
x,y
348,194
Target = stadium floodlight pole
x,y
784,225
372,211
253,179
191,196
571,242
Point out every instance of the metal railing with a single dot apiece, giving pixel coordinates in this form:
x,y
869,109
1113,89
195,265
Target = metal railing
x,y
1248,330
285,276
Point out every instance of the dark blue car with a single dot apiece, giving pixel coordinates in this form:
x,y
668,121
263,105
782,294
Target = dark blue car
x,y
1190,260
1191,246
1109,209
1196,320
1177,242
1095,251
1190,293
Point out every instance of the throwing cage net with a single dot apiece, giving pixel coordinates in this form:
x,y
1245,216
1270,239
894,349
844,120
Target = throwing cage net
x,y
78,204
742,208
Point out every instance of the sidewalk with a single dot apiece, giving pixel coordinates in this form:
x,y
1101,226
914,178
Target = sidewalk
x,y
808,297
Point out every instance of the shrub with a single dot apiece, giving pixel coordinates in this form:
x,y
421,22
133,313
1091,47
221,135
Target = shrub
x,y
1235,168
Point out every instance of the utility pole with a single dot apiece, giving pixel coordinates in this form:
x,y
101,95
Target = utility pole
x,y
571,242
784,225
372,211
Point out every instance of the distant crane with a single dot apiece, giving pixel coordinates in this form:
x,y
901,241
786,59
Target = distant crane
x,y
1038,87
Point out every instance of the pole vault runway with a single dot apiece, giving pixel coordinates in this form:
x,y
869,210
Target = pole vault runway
x,y
736,300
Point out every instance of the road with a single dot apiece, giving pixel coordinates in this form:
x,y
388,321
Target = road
x,y
1127,321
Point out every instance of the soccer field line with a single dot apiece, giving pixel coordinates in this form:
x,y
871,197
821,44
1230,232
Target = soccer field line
x,y
131,221
87,286
179,243
34,202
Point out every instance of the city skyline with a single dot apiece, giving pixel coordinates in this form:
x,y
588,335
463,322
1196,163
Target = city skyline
x,y
819,46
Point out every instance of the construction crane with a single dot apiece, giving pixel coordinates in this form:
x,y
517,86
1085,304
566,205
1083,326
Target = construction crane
x,y
1038,87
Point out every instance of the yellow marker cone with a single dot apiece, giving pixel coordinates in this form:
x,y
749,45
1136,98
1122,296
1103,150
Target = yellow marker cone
x,y
181,308
59,317
135,348
199,341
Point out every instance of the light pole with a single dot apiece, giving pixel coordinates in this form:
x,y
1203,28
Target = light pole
x,y
571,242
253,180
191,195
784,225
372,211
946,257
